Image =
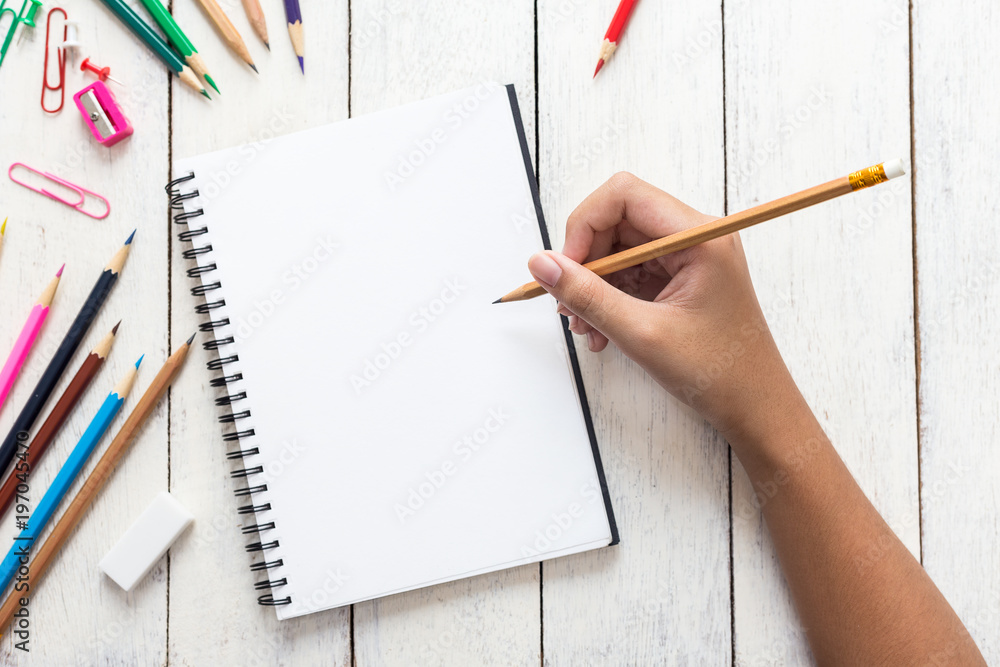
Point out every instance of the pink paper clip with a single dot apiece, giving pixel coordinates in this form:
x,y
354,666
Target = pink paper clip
x,y
102,114
81,192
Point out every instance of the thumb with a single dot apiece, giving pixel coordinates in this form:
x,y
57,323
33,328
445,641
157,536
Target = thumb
x,y
601,305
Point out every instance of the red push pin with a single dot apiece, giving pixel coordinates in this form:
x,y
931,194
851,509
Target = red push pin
x,y
103,73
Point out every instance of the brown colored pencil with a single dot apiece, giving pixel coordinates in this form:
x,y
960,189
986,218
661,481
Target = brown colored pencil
x,y
256,17
230,35
727,225
54,422
95,482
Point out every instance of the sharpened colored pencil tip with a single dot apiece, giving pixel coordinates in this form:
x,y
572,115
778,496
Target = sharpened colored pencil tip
x,y
302,64
267,46
131,236
212,84
140,361
3,229
253,67
191,338
500,300
205,93
59,272
600,64
114,331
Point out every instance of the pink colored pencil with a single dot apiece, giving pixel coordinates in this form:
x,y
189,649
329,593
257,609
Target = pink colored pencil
x,y
36,318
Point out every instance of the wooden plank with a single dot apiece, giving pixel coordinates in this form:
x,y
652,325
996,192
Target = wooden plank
x,y
400,53
210,584
662,595
957,249
805,105
77,611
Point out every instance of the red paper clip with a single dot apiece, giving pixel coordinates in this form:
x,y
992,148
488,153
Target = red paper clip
x,y
81,192
61,57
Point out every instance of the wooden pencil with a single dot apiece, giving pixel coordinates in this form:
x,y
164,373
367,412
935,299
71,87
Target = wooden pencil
x,y
256,17
293,14
85,497
60,413
614,33
20,430
155,43
180,41
32,522
26,340
230,35
727,225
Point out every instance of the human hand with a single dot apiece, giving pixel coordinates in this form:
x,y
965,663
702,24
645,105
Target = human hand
x,y
691,319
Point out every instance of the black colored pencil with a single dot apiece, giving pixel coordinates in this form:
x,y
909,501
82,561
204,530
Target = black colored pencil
x,y
21,430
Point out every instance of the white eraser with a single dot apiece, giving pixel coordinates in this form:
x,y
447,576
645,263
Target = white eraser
x,y
893,168
146,541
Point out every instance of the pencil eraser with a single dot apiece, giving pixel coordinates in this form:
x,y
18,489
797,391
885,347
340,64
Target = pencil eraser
x,y
146,541
893,168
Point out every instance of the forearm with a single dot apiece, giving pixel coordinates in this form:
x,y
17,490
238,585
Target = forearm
x,y
860,594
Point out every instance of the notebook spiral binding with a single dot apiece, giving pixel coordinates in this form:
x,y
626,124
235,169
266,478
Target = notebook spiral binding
x,y
206,289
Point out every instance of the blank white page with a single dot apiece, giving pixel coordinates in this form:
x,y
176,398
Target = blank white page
x,y
410,431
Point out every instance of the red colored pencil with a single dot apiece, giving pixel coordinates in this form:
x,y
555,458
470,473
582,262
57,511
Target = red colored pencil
x,y
614,32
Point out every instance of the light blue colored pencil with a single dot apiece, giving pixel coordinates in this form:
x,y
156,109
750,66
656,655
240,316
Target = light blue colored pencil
x,y
37,520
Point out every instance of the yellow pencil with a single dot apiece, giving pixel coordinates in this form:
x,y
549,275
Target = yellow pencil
x,y
727,225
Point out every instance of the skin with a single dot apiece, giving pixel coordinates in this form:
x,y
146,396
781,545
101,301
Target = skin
x,y
864,599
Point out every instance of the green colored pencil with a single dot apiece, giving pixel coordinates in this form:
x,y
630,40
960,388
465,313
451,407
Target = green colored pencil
x,y
180,41
155,43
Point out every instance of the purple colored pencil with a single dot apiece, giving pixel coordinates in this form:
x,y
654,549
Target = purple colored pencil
x,y
294,16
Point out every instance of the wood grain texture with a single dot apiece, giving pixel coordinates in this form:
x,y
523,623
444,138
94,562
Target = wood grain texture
x,y
662,595
803,105
214,615
809,95
401,52
957,263
79,617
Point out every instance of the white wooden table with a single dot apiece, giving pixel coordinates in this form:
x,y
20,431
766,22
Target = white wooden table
x,y
881,303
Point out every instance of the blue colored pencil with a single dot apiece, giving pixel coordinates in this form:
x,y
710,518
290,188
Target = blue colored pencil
x,y
39,518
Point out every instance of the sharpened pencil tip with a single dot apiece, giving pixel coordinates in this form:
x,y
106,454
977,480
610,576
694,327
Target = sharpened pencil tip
x,y
114,332
500,300
131,236
140,361
205,93
267,46
3,229
212,84
302,64
253,67
600,64
191,338
59,272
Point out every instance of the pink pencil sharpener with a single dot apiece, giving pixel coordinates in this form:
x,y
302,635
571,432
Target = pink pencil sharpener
x,y
102,114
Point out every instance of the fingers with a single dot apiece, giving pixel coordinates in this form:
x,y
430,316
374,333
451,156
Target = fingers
x,y
596,303
648,213
596,341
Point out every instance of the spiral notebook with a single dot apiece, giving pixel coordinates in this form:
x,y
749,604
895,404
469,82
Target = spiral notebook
x,y
389,426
